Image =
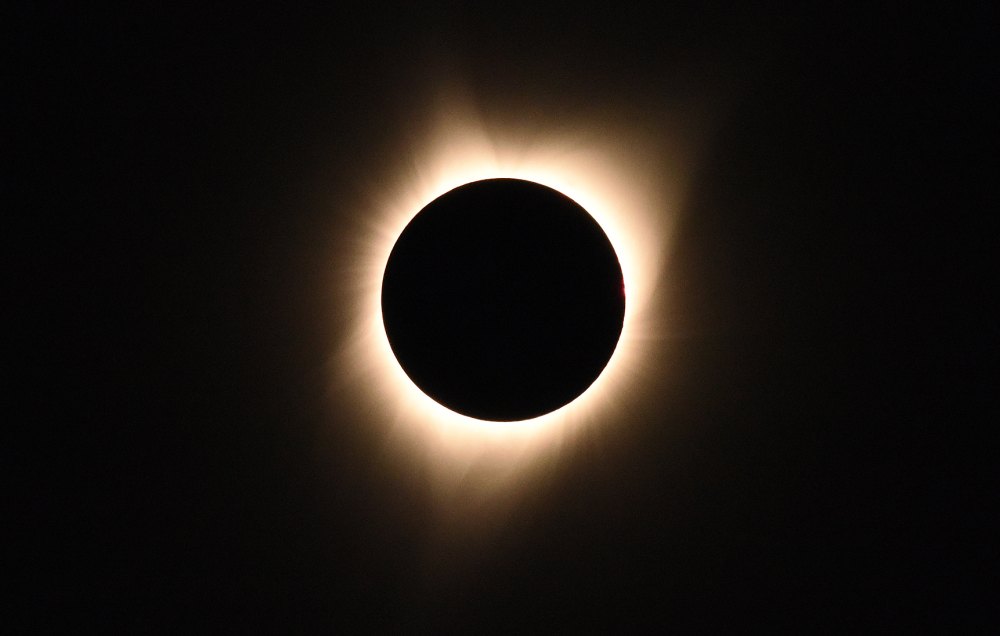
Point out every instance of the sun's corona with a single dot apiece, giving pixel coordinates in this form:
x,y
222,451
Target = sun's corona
x,y
613,175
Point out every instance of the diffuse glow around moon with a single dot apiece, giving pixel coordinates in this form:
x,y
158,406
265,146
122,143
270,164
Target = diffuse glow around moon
x,y
627,181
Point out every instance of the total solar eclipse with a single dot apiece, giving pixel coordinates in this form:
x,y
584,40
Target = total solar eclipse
x,y
503,300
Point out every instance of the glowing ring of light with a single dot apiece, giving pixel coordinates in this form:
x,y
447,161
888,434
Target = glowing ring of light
x,y
615,175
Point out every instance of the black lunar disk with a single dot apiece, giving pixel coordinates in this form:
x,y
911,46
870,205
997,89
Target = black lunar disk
x,y
503,299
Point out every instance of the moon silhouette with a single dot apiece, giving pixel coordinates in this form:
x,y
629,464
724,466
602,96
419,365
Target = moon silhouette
x,y
503,300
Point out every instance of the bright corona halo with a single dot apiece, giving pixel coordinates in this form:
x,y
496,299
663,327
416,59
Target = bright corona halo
x,y
616,175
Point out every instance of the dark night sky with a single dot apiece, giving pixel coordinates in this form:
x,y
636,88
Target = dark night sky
x,y
816,463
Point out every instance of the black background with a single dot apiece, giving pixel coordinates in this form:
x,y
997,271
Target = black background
x,y
816,465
